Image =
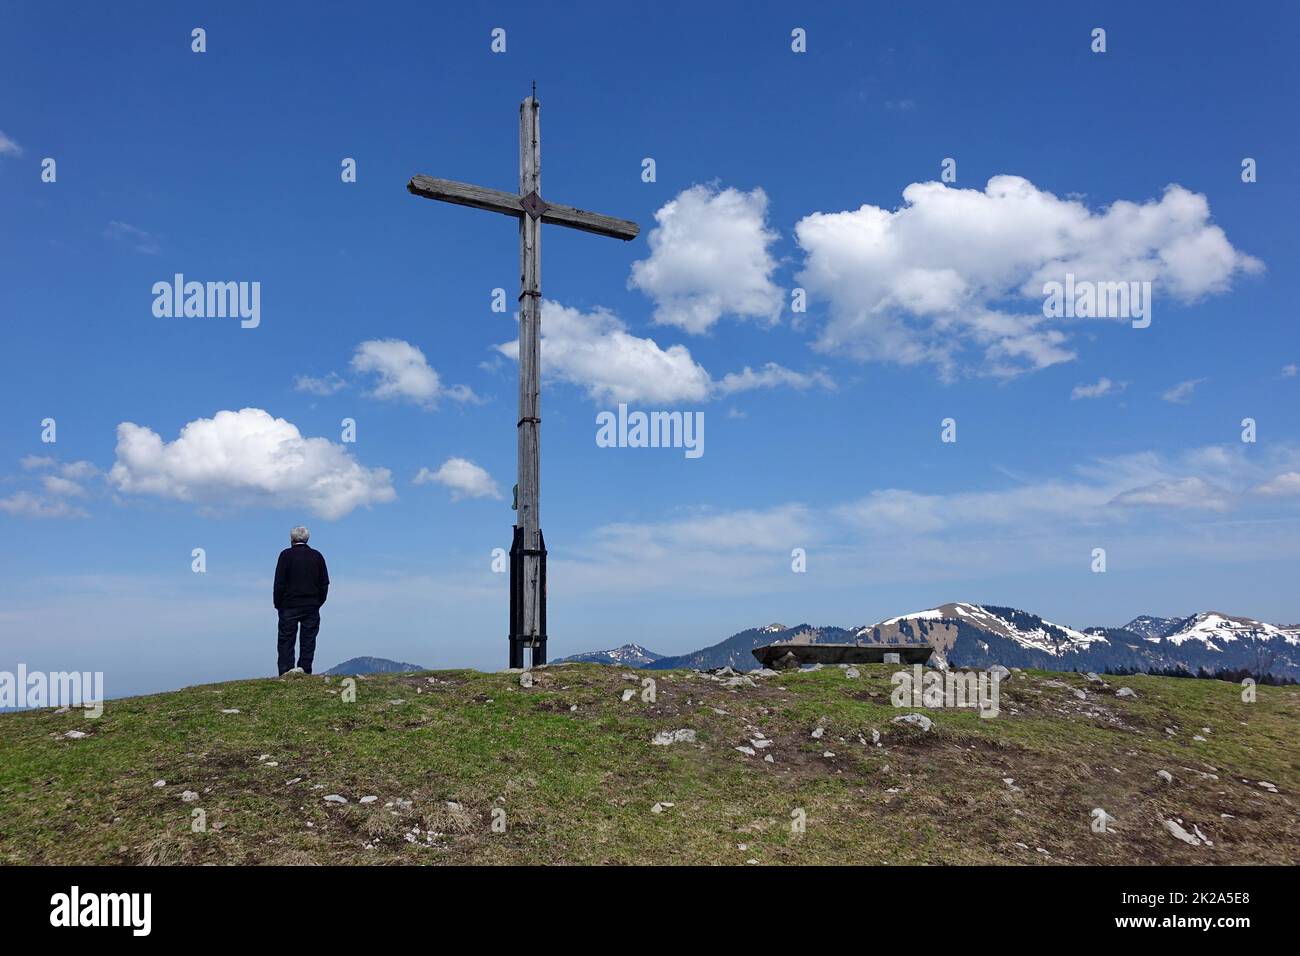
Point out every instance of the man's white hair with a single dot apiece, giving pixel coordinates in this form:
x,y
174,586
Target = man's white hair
x,y
299,534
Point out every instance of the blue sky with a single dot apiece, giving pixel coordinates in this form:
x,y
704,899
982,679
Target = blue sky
x,y
775,170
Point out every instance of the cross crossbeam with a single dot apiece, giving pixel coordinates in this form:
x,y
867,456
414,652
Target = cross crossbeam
x,y
494,200
528,548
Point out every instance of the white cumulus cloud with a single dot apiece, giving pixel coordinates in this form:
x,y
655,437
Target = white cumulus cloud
x,y
463,477
709,256
594,350
403,374
246,457
956,273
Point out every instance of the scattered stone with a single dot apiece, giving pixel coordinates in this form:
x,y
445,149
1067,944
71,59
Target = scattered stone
x,y
875,736
335,798
1165,775
628,694
828,755
189,796
290,783
398,702
1190,839
768,758
999,672
1198,737
817,733
1271,788
1126,692
667,737
75,734
747,751
852,673
660,807
1081,694
526,679
369,799
573,709
230,710
916,720
765,672
160,783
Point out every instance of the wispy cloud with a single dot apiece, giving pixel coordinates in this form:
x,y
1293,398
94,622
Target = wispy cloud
x,y
1181,393
8,147
133,236
1103,386
324,385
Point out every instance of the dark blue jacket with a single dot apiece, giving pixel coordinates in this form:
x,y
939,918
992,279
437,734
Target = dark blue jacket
x,y
301,578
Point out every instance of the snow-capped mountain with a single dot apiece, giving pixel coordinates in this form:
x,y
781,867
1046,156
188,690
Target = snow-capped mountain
x,y
1144,625
973,635
735,651
628,655
1216,630
979,635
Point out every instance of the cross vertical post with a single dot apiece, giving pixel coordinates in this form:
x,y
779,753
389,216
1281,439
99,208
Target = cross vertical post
x,y
528,546
528,552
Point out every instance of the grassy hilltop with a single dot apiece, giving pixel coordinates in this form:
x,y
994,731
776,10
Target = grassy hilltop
x,y
573,767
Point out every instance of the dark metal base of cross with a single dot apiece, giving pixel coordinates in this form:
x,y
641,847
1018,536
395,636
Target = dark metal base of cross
x,y
518,639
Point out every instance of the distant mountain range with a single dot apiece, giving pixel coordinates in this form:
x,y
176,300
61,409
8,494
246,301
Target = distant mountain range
x,y
975,635
372,665
628,655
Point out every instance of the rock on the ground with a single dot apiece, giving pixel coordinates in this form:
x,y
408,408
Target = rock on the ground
x,y
189,796
999,672
916,720
1191,839
335,798
1165,775
1126,692
667,737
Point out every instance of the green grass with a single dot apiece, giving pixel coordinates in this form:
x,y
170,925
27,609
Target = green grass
x,y
578,786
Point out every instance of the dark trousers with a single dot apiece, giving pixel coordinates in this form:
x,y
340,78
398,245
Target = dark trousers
x,y
291,618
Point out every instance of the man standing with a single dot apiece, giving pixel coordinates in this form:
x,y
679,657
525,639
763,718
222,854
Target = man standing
x,y
301,585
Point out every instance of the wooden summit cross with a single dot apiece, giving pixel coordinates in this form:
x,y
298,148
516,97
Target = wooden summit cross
x,y
528,547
